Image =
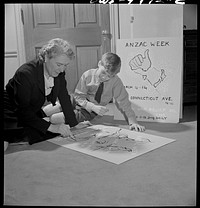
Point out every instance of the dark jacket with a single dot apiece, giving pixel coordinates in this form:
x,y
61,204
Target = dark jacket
x,y
26,91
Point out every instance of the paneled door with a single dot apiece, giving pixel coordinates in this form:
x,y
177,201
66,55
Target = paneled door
x,y
85,26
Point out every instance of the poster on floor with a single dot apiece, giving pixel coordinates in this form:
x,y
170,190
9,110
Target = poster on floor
x,y
151,71
110,143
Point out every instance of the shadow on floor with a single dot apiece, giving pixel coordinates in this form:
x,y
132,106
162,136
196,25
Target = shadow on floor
x,y
40,146
189,115
167,127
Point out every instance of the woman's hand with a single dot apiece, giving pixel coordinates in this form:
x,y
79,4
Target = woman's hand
x,y
82,125
62,129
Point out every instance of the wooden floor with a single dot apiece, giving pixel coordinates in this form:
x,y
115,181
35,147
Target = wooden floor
x,y
46,174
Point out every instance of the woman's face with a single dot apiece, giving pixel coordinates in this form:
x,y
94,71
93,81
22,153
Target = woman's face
x,y
56,65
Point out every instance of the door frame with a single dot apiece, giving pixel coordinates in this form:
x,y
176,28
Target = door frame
x,y
114,25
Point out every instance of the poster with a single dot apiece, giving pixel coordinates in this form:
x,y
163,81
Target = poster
x,y
113,144
151,71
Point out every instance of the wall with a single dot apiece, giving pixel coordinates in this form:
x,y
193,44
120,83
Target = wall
x,y
11,59
190,16
141,21
119,15
14,54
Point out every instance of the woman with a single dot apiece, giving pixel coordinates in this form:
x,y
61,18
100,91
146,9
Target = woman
x,y
25,94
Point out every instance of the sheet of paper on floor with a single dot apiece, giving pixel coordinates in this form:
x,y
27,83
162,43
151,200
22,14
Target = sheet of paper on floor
x,y
112,144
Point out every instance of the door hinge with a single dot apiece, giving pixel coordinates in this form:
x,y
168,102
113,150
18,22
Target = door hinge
x,y
132,19
22,16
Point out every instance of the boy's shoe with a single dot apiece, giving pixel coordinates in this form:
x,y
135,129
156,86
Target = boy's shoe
x,y
5,145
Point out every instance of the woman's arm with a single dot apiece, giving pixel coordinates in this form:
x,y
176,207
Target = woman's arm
x,y
65,101
23,85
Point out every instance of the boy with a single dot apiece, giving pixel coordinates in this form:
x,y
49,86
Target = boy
x,y
89,101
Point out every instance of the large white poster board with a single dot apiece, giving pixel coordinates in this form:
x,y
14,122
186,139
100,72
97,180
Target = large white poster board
x,y
151,72
112,144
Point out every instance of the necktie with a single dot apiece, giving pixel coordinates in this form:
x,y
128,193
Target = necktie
x,y
99,92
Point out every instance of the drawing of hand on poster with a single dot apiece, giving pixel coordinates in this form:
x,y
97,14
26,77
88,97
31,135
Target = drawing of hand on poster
x,y
142,65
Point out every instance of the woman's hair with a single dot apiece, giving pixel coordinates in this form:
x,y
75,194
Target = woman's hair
x,y
54,48
110,61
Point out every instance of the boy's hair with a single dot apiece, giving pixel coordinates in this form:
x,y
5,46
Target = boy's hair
x,y
110,61
54,48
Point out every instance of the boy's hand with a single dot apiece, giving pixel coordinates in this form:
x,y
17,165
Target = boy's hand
x,y
136,127
100,110
82,125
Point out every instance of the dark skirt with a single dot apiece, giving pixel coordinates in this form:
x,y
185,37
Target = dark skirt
x,y
15,132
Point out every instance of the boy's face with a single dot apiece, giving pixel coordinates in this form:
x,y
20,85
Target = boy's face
x,y
105,74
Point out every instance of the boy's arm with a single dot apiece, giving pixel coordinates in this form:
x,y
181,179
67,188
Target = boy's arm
x,y
124,104
121,97
81,94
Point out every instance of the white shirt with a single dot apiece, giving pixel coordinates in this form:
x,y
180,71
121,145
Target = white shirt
x,y
113,88
49,83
